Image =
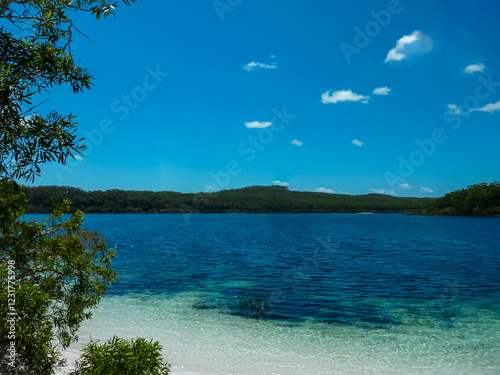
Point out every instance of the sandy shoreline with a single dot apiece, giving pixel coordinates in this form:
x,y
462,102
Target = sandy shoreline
x,y
73,353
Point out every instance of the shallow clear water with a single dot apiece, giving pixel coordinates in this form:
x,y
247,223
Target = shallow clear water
x,y
307,293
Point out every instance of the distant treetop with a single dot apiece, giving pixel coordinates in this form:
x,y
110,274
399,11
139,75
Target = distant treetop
x,y
477,200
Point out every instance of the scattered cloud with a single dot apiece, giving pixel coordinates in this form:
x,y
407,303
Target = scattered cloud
x,y
382,191
272,56
257,65
492,107
324,190
257,124
357,143
77,157
405,186
342,96
297,142
280,183
381,91
474,68
453,109
424,189
417,43
209,187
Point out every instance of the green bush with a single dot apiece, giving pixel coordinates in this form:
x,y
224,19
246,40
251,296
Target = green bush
x,y
52,273
121,357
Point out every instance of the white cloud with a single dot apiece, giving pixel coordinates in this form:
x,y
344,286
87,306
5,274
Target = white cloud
x,y
416,43
324,190
342,96
77,157
382,191
297,142
424,189
209,187
272,56
280,183
257,65
257,124
492,107
357,143
474,68
405,186
454,109
381,91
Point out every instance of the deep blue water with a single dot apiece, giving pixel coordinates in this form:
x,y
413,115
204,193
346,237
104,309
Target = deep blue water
x,y
364,270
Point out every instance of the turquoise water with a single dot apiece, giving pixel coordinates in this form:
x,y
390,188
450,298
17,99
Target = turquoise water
x,y
306,294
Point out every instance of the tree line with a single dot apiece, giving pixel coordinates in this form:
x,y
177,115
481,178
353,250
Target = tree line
x,y
254,199
477,200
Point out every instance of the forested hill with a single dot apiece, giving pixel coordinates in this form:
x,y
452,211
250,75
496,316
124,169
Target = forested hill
x,y
477,200
255,199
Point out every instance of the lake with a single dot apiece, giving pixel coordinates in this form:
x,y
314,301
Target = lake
x,y
306,293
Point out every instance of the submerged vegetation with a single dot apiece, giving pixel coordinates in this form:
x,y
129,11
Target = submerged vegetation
x,y
254,305
477,200
254,199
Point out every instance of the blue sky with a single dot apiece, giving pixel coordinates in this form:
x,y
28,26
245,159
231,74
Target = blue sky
x,y
399,97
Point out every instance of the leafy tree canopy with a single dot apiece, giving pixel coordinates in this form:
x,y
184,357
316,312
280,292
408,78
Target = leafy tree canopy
x,y
30,66
53,272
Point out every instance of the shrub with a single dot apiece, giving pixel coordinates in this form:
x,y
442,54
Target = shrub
x,y
118,356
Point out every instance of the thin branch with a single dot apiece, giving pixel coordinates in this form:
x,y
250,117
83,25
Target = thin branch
x,y
33,107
